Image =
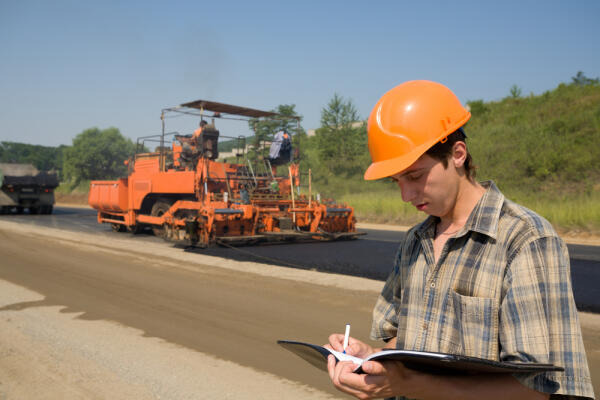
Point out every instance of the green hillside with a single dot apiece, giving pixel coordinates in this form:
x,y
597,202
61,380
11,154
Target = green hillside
x,y
549,142
542,151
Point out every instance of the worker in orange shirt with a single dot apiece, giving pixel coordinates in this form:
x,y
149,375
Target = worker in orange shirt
x,y
198,131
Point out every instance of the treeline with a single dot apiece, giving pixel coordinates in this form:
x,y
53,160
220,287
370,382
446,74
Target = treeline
x,y
44,158
94,154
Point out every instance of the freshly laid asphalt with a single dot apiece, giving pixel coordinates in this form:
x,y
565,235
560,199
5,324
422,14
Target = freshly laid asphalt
x,y
370,256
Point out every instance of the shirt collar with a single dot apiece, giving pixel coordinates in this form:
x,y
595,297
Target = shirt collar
x,y
483,219
486,214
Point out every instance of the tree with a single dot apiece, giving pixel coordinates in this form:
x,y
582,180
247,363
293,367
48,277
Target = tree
x,y
515,92
97,154
342,138
581,80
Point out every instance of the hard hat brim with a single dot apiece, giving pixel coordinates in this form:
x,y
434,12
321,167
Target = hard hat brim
x,y
389,167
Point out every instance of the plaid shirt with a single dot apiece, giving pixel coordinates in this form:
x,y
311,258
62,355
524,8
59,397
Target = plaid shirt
x,y
500,290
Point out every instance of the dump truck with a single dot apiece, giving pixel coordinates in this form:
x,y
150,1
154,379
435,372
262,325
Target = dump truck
x,y
187,195
24,186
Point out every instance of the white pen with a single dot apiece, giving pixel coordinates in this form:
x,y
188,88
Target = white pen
x,y
346,336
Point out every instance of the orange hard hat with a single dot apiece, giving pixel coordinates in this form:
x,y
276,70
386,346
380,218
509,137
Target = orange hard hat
x,y
407,121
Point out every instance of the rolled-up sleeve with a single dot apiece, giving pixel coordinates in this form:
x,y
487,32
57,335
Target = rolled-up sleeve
x,y
538,319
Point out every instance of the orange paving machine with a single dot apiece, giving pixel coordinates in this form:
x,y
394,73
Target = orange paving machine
x,y
186,194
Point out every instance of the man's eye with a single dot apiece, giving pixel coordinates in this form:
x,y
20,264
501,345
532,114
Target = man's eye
x,y
414,177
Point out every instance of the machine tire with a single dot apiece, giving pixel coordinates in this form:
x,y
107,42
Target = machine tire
x,y
20,210
135,229
35,210
159,208
118,227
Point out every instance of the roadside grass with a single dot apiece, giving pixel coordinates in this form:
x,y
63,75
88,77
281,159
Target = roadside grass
x,y
384,206
70,187
69,193
567,213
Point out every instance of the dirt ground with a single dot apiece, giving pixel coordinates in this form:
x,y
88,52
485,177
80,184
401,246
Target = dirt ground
x,y
86,316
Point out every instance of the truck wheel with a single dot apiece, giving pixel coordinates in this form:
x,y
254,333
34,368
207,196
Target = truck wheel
x,y
20,210
158,209
45,209
34,210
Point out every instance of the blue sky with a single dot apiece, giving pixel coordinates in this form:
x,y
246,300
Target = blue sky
x,y
66,66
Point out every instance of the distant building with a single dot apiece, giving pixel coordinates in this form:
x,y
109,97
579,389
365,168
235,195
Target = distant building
x,y
235,152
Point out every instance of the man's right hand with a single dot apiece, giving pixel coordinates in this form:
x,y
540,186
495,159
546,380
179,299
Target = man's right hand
x,y
355,347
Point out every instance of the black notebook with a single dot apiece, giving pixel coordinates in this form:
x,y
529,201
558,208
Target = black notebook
x,y
434,363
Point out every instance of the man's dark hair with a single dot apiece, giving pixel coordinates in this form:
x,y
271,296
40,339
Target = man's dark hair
x,y
203,123
442,150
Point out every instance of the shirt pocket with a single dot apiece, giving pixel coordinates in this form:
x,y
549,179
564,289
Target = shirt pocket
x,y
471,327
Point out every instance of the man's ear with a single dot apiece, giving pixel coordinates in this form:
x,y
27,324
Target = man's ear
x,y
459,154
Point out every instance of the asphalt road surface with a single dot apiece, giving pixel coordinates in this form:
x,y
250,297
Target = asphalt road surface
x,y
370,256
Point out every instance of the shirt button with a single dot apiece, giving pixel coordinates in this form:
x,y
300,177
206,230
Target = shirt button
x,y
424,327
432,284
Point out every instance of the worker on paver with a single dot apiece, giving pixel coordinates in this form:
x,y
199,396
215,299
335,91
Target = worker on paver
x,y
189,145
481,276
280,151
198,131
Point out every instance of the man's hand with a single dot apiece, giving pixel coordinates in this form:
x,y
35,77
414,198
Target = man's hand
x,y
355,347
380,380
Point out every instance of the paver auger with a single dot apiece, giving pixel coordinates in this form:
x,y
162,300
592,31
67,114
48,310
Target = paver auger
x,y
186,195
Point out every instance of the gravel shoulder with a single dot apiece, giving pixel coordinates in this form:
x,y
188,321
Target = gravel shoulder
x,y
54,355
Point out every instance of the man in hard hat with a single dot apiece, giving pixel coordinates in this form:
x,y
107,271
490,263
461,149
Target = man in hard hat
x,y
481,276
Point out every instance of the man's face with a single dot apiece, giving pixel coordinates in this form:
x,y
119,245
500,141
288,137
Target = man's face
x,y
429,186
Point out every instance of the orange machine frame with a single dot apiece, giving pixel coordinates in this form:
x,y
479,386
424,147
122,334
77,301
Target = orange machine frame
x,y
204,201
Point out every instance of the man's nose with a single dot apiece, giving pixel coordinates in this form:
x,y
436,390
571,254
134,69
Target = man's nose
x,y
407,192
